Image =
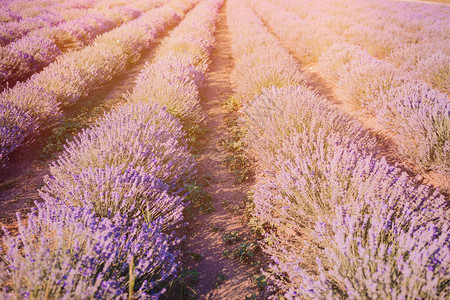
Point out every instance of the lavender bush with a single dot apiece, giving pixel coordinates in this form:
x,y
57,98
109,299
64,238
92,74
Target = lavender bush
x,y
372,255
407,111
366,81
129,192
77,73
68,252
278,113
23,115
435,70
135,135
345,223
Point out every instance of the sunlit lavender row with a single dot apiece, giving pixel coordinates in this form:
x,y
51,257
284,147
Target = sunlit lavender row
x,y
417,114
341,222
36,104
18,18
411,36
30,54
116,194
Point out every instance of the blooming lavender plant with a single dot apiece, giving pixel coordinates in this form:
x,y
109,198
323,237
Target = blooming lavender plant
x,y
135,135
131,192
435,70
291,110
78,73
374,231
68,252
407,111
178,94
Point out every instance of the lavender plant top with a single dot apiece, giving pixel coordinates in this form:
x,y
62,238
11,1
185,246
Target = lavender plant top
x,y
67,252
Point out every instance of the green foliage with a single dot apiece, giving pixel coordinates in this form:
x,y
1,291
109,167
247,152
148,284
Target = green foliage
x,y
182,287
261,281
232,103
251,297
199,198
231,237
196,134
245,252
221,277
215,228
237,160
195,256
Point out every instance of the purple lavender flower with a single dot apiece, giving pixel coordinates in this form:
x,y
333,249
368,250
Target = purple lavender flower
x,y
66,251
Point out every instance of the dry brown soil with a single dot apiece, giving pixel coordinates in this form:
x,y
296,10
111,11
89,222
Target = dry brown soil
x,y
226,194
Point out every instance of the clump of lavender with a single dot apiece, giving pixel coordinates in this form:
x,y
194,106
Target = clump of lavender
x,y
278,113
68,252
134,135
336,56
407,111
15,126
364,79
375,231
77,73
374,249
435,70
179,94
129,192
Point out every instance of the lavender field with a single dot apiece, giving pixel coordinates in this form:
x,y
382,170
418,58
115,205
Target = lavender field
x,y
224,149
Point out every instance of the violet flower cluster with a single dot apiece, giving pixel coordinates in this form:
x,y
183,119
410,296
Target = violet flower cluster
x,y
30,54
180,65
113,196
343,222
411,36
118,163
77,73
68,252
367,82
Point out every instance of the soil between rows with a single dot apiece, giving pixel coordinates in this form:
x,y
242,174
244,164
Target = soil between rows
x,y
220,277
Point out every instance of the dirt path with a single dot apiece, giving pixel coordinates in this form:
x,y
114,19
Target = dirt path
x,y
24,173
220,277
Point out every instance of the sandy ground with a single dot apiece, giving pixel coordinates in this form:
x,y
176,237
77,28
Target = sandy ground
x,y
208,243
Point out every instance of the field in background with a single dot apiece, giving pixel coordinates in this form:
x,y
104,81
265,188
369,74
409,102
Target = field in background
x,y
224,149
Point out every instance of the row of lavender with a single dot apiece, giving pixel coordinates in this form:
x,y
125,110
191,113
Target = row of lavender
x,y
21,17
342,222
36,104
417,115
30,54
414,41
116,194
